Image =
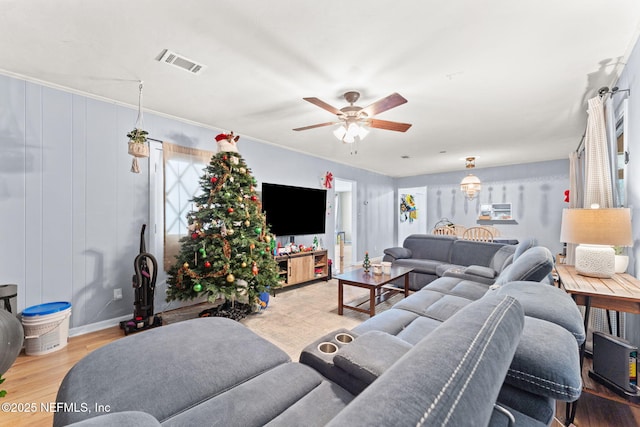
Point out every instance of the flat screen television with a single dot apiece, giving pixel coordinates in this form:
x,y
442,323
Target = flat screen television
x,y
294,211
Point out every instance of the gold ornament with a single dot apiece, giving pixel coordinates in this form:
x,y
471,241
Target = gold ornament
x,y
230,278
185,265
247,223
243,265
267,239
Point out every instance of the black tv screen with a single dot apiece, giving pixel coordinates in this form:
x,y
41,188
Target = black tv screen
x,y
294,211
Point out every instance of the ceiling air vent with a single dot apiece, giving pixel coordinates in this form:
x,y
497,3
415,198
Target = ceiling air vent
x,y
181,62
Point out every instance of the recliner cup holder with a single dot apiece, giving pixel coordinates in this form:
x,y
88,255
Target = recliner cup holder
x,y
343,338
327,347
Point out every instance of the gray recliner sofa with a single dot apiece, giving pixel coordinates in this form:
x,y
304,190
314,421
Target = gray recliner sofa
x,y
214,371
545,367
433,256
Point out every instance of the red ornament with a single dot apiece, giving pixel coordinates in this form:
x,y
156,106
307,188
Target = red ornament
x,y
207,264
194,236
230,210
224,157
214,179
566,196
254,198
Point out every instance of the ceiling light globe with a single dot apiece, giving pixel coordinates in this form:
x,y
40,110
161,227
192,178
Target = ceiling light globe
x,y
340,132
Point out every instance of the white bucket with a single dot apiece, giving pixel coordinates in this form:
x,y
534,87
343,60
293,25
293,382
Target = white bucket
x,y
46,327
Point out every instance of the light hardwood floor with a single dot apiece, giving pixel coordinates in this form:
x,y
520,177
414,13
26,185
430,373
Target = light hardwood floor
x,y
294,318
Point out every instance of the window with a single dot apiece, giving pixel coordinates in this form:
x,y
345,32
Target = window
x,y
183,168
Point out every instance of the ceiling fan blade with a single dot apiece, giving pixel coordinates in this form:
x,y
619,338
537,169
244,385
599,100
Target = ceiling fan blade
x,y
384,104
386,124
324,105
316,126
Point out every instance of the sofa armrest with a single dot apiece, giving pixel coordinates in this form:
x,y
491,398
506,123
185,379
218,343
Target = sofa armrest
x,y
370,354
398,253
475,273
546,361
478,270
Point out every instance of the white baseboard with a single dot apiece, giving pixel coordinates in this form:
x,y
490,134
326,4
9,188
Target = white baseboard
x,y
98,326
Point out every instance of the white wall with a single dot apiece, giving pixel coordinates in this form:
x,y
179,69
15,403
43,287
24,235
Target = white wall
x,y
536,191
629,79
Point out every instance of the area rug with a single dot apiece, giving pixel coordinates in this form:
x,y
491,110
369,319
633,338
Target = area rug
x,y
297,315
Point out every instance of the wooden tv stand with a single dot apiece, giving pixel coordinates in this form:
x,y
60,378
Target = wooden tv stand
x,y
303,267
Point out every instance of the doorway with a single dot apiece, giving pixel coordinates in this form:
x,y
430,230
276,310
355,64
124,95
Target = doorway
x,y
345,230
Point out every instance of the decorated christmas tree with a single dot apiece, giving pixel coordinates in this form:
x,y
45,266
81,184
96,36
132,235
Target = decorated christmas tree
x,y
227,253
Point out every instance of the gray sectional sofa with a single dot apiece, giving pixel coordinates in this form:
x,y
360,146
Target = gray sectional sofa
x,y
214,371
433,256
545,367
457,352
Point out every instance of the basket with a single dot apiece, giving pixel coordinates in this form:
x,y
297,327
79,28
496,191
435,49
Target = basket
x,y
138,149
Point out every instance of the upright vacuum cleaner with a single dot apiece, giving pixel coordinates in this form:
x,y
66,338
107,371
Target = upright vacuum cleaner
x,y
144,284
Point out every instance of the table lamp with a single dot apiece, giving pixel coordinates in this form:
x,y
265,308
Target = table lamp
x,y
596,231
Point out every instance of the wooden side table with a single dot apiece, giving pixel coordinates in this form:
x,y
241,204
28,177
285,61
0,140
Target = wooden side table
x,y
619,293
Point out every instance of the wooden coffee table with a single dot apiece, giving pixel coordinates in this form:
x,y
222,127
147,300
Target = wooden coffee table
x,y
379,288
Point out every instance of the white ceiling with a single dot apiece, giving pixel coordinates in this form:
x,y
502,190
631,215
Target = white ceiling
x,y
504,80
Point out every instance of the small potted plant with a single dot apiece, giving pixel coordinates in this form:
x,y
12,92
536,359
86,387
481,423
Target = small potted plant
x,y
622,260
137,147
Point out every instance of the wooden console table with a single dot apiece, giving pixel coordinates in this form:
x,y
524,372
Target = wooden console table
x,y
619,293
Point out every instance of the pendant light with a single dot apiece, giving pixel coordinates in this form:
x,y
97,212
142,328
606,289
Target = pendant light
x,y
470,184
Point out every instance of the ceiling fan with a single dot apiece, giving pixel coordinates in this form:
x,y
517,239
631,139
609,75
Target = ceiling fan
x,y
354,118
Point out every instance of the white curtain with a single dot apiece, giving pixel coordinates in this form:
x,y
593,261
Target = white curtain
x,y
597,186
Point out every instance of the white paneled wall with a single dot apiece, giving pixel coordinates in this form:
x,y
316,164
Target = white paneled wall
x,y
71,212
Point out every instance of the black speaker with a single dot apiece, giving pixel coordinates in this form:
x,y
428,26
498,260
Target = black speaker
x,y
615,365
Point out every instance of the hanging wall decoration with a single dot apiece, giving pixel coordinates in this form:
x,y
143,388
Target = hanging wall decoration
x,y
408,210
138,138
327,180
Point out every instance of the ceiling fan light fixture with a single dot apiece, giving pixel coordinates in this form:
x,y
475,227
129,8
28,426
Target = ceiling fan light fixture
x,y
354,121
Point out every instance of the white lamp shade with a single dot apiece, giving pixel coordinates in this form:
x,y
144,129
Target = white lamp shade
x,y
610,226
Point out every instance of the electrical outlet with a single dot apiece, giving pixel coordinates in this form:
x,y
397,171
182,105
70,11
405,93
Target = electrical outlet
x,y
117,293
